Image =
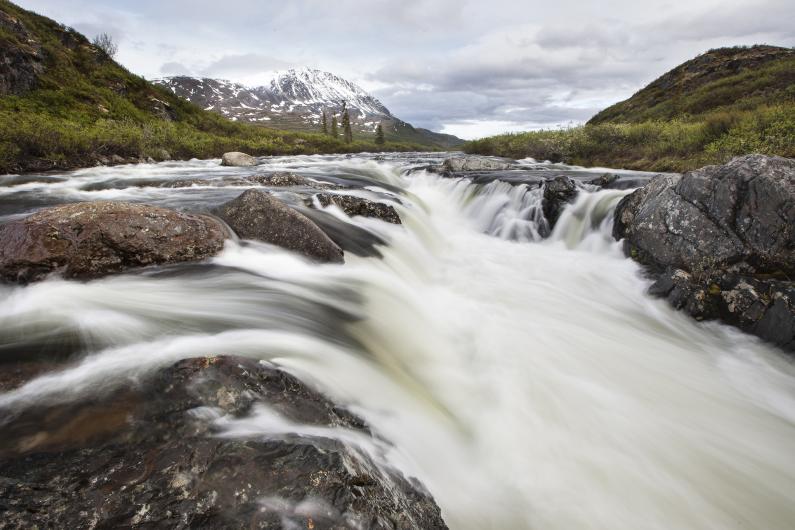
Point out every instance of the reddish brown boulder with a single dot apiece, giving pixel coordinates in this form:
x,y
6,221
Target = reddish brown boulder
x,y
88,240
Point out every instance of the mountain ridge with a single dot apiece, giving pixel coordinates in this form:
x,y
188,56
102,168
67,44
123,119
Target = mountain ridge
x,y
295,100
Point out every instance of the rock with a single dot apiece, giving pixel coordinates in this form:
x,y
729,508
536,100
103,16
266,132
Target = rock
x,y
150,456
604,181
238,159
92,239
741,215
353,206
162,155
474,163
21,59
258,215
729,233
116,160
558,192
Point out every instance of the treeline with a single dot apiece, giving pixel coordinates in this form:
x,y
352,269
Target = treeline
x,y
347,132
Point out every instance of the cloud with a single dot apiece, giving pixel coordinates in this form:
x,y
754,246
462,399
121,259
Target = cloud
x,y
243,65
174,68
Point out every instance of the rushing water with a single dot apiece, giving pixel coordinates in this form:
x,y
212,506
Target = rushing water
x,y
528,383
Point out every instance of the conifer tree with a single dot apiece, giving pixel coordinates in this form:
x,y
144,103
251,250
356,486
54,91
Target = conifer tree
x,y
325,123
334,129
346,126
379,135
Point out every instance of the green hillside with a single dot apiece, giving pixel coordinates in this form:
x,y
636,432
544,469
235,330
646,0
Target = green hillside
x,y
64,103
724,103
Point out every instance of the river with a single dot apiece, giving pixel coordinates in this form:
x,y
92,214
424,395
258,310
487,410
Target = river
x,y
527,382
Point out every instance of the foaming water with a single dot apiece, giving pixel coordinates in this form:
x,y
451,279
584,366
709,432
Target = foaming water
x,y
527,383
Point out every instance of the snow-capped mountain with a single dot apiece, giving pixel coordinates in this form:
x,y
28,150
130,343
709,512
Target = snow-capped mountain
x,y
296,100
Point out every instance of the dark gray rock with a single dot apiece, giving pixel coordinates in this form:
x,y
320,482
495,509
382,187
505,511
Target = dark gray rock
x,y
604,181
260,216
353,206
148,456
20,64
92,239
728,234
558,192
283,178
238,159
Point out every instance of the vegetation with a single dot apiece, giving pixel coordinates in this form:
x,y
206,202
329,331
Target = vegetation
x,y
83,108
725,103
335,133
379,135
105,42
347,133
324,124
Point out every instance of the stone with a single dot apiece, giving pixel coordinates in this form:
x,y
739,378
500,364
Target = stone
x,y
92,239
238,159
258,215
353,206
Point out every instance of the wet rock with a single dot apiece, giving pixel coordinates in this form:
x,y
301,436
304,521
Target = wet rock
x,y
604,181
92,239
282,178
152,456
558,192
353,206
258,215
729,231
474,163
238,159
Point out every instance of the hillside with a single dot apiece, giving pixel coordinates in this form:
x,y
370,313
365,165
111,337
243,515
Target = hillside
x,y
294,100
64,103
719,79
724,103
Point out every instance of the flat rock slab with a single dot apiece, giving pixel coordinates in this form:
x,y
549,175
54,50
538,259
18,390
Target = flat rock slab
x,y
93,239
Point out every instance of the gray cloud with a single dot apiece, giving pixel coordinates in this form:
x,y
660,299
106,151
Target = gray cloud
x,y
243,64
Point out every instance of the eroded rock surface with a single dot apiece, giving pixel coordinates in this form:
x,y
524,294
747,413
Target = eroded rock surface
x,y
353,206
475,163
719,237
93,239
558,193
154,456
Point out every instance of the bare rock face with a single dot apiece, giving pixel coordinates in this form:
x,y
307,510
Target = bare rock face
x,y
238,159
93,239
353,206
22,63
721,227
260,216
152,456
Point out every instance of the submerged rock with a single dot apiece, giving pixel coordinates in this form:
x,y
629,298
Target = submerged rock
x,y
283,178
353,206
558,192
92,239
156,455
238,159
605,180
728,233
260,216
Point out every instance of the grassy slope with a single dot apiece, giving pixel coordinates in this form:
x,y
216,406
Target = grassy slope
x,y
724,103
85,107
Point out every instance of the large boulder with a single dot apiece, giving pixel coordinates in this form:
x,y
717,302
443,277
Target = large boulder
x,y
238,159
353,206
92,239
722,242
258,215
154,455
558,192
474,163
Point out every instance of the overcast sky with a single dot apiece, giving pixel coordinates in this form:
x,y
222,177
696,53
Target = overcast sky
x,y
466,67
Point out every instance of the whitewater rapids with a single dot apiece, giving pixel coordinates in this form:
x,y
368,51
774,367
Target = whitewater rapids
x,y
527,383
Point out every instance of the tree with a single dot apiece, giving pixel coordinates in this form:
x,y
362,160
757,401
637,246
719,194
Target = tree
x,y
346,127
379,135
325,123
105,42
334,129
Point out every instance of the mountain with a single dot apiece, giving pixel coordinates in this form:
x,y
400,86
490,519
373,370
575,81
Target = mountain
x,y
65,103
720,78
296,99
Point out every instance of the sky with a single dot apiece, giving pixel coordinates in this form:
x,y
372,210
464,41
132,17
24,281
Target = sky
x,y
464,67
